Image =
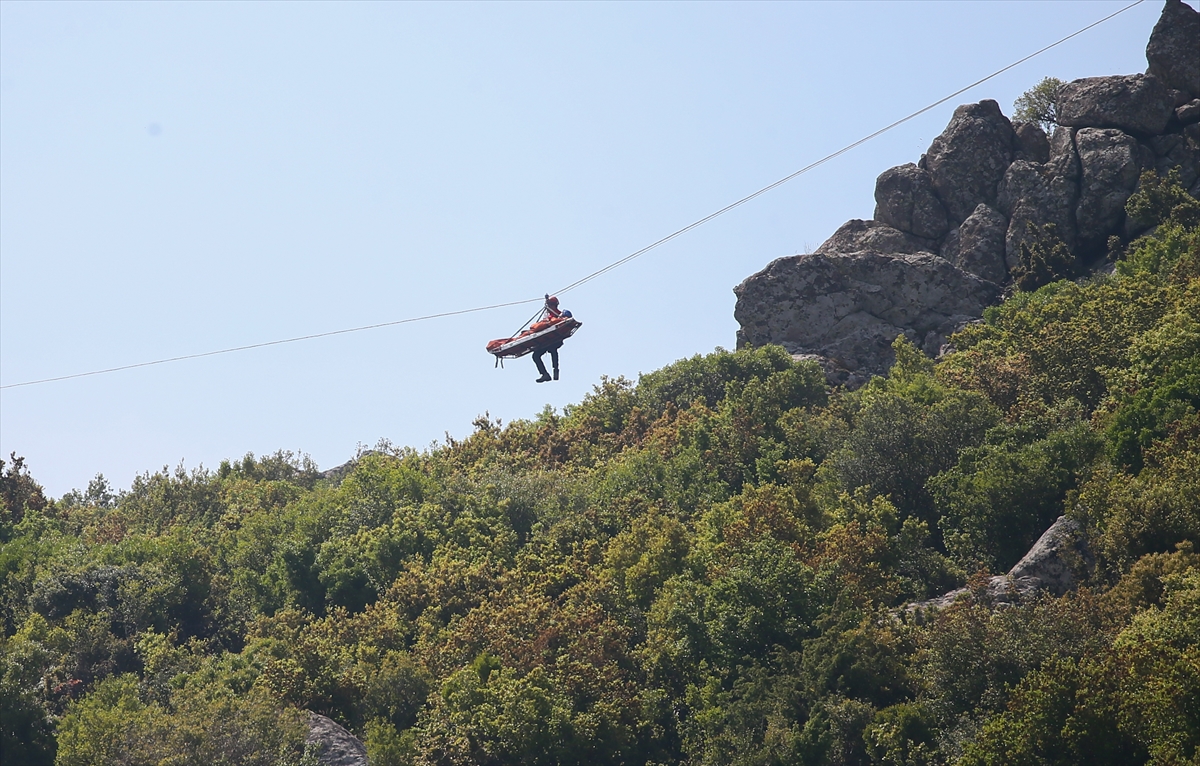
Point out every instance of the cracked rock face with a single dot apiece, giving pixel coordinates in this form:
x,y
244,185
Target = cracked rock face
x,y
969,158
849,307
1033,195
977,246
1111,162
1136,103
1176,150
1172,50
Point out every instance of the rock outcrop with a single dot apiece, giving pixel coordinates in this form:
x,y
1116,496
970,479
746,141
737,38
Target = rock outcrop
x,y
1136,103
948,231
1033,195
336,474
849,307
1179,151
1032,142
1172,50
967,161
1055,564
334,745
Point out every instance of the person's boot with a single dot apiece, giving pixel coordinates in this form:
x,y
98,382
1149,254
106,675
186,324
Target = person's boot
x,y
556,373
542,379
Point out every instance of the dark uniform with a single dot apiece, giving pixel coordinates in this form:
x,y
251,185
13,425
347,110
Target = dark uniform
x,y
552,311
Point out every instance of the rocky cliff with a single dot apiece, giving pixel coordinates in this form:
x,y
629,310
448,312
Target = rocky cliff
x,y
947,231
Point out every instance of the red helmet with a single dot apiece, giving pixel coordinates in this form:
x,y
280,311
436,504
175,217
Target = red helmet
x,y
552,302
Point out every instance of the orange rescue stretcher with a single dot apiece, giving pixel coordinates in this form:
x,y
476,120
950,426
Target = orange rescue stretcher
x,y
540,334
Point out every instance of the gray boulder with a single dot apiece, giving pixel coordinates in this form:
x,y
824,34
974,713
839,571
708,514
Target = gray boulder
x,y
856,235
1001,591
334,745
977,246
1111,163
904,199
1056,564
1033,195
1058,560
1174,48
1032,143
968,159
849,308
1022,180
1136,103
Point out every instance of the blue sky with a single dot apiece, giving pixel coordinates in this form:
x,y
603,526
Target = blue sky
x,y
177,178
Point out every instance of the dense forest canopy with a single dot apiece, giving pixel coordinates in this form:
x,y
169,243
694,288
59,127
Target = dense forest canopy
x,y
707,566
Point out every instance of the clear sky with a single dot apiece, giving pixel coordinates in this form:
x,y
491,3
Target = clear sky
x,y
183,177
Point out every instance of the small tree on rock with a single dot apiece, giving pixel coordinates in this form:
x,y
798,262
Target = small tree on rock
x,y
1039,104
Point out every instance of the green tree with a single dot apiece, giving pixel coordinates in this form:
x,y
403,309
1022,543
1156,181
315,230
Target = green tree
x,y
1134,702
18,492
109,727
904,429
1039,104
491,715
1001,496
1043,259
1159,199
26,723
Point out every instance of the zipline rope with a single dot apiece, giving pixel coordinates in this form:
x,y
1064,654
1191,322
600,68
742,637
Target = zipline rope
x,y
616,263
277,342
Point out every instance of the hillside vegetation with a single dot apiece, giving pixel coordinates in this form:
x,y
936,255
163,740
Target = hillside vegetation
x,y
706,567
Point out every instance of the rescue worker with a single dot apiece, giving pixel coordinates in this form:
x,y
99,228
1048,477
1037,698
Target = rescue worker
x,y
552,313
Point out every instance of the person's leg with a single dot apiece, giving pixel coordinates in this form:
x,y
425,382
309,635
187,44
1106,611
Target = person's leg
x,y
554,361
537,359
